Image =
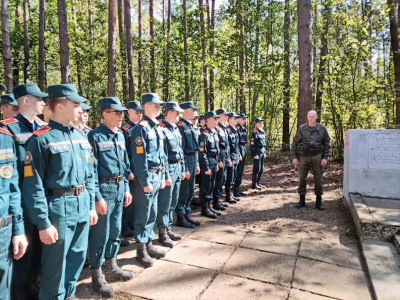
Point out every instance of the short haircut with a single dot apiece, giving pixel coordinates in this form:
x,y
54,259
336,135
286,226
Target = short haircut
x,y
56,100
103,111
166,112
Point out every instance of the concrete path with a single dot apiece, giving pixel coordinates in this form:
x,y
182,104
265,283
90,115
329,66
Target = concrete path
x,y
219,262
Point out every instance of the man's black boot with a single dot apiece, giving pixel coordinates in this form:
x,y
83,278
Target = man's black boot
x,y
153,251
182,222
218,213
205,211
172,235
190,220
100,284
126,231
164,238
112,271
302,201
228,197
255,186
318,203
142,256
236,193
217,205
260,185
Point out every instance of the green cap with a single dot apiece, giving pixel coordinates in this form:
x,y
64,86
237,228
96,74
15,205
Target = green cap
x,y
135,105
221,111
85,106
242,115
210,114
188,104
151,97
111,102
258,120
28,89
233,115
8,99
65,90
172,105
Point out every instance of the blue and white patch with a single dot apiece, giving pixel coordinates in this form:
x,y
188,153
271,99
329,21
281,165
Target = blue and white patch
x,y
59,148
105,145
28,157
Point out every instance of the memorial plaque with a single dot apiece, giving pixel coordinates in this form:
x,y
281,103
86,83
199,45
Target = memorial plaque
x,y
384,151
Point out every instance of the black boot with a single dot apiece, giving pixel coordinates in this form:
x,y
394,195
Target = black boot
x,y
181,222
218,213
302,201
113,272
191,221
100,285
217,205
205,211
172,235
255,186
124,243
318,203
142,256
260,185
228,197
236,193
126,231
223,204
241,193
153,251
164,238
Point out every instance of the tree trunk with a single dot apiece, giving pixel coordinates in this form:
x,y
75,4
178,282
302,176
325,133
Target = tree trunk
x,y
394,41
152,49
26,42
64,49
5,30
140,45
122,45
76,52
112,40
304,101
129,55
286,92
242,101
16,54
204,55
211,54
167,52
41,71
324,53
185,50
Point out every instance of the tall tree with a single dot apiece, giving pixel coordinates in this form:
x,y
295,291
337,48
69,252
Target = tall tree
x,y
5,30
204,55
42,54
152,48
112,40
304,100
211,54
394,41
16,53
76,51
185,50
64,48
286,91
122,45
26,42
140,65
167,55
241,99
129,55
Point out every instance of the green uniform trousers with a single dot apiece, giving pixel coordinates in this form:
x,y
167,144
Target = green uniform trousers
x,y
5,262
305,163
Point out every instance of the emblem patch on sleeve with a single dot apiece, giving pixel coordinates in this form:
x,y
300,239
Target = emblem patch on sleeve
x,y
139,141
202,144
6,171
28,157
28,172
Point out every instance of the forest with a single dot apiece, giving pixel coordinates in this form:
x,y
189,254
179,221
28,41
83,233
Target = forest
x,y
275,59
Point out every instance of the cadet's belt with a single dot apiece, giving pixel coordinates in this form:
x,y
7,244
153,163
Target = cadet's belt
x,y
5,221
212,155
172,161
194,153
155,170
117,179
60,192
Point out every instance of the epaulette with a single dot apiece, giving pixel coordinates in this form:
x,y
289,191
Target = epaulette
x,y
255,130
143,123
5,131
238,127
126,127
162,125
205,132
228,128
9,121
41,130
180,123
216,126
204,127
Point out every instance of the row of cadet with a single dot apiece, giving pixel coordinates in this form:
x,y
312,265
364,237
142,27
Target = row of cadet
x,y
67,190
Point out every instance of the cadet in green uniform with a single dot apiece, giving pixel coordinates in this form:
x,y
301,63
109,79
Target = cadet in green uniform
x,y
258,146
148,155
9,106
243,152
235,158
11,223
190,147
27,269
135,115
59,193
224,158
311,148
168,197
111,168
208,159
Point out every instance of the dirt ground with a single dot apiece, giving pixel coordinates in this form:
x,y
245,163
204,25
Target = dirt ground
x,y
273,208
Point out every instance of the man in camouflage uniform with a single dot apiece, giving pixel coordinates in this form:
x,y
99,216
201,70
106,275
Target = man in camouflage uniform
x,y
311,148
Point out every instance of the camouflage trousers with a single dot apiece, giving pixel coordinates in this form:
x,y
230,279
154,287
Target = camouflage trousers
x,y
307,162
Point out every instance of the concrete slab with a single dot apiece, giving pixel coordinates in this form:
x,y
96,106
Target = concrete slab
x,y
397,242
220,234
384,211
232,287
383,265
167,280
330,280
268,267
200,253
300,295
347,256
272,242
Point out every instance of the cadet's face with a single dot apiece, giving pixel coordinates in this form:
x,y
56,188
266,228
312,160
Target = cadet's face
x,y
72,111
223,118
35,104
84,116
113,117
260,125
202,122
190,113
9,111
232,121
134,116
242,121
152,109
211,122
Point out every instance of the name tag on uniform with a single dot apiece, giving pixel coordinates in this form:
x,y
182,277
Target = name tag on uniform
x,y
105,145
188,131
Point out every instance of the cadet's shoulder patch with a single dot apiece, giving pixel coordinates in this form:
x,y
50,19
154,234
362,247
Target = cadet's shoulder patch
x,y
217,126
143,123
180,123
126,127
162,125
204,127
228,128
205,131
41,130
5,131
255,130
9,121
238,127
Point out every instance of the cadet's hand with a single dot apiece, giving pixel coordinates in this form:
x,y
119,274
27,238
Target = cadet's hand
x,y
240,158
131,176
101,207
162,185
207,172
187,173
265,155
128,199
148,189
19,245
197,170
93,217
217,168
256,157
220,165
168,182
49,235
295,161
230,164
183,175
324,162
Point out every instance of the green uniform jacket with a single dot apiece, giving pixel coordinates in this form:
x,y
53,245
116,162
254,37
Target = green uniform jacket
x,y
209,146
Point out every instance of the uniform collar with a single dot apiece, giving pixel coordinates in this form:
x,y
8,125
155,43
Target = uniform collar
x,y
108,130
56,125
187,122
242,127
131,123
232,127
221,125
168,125
151,122
24,120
